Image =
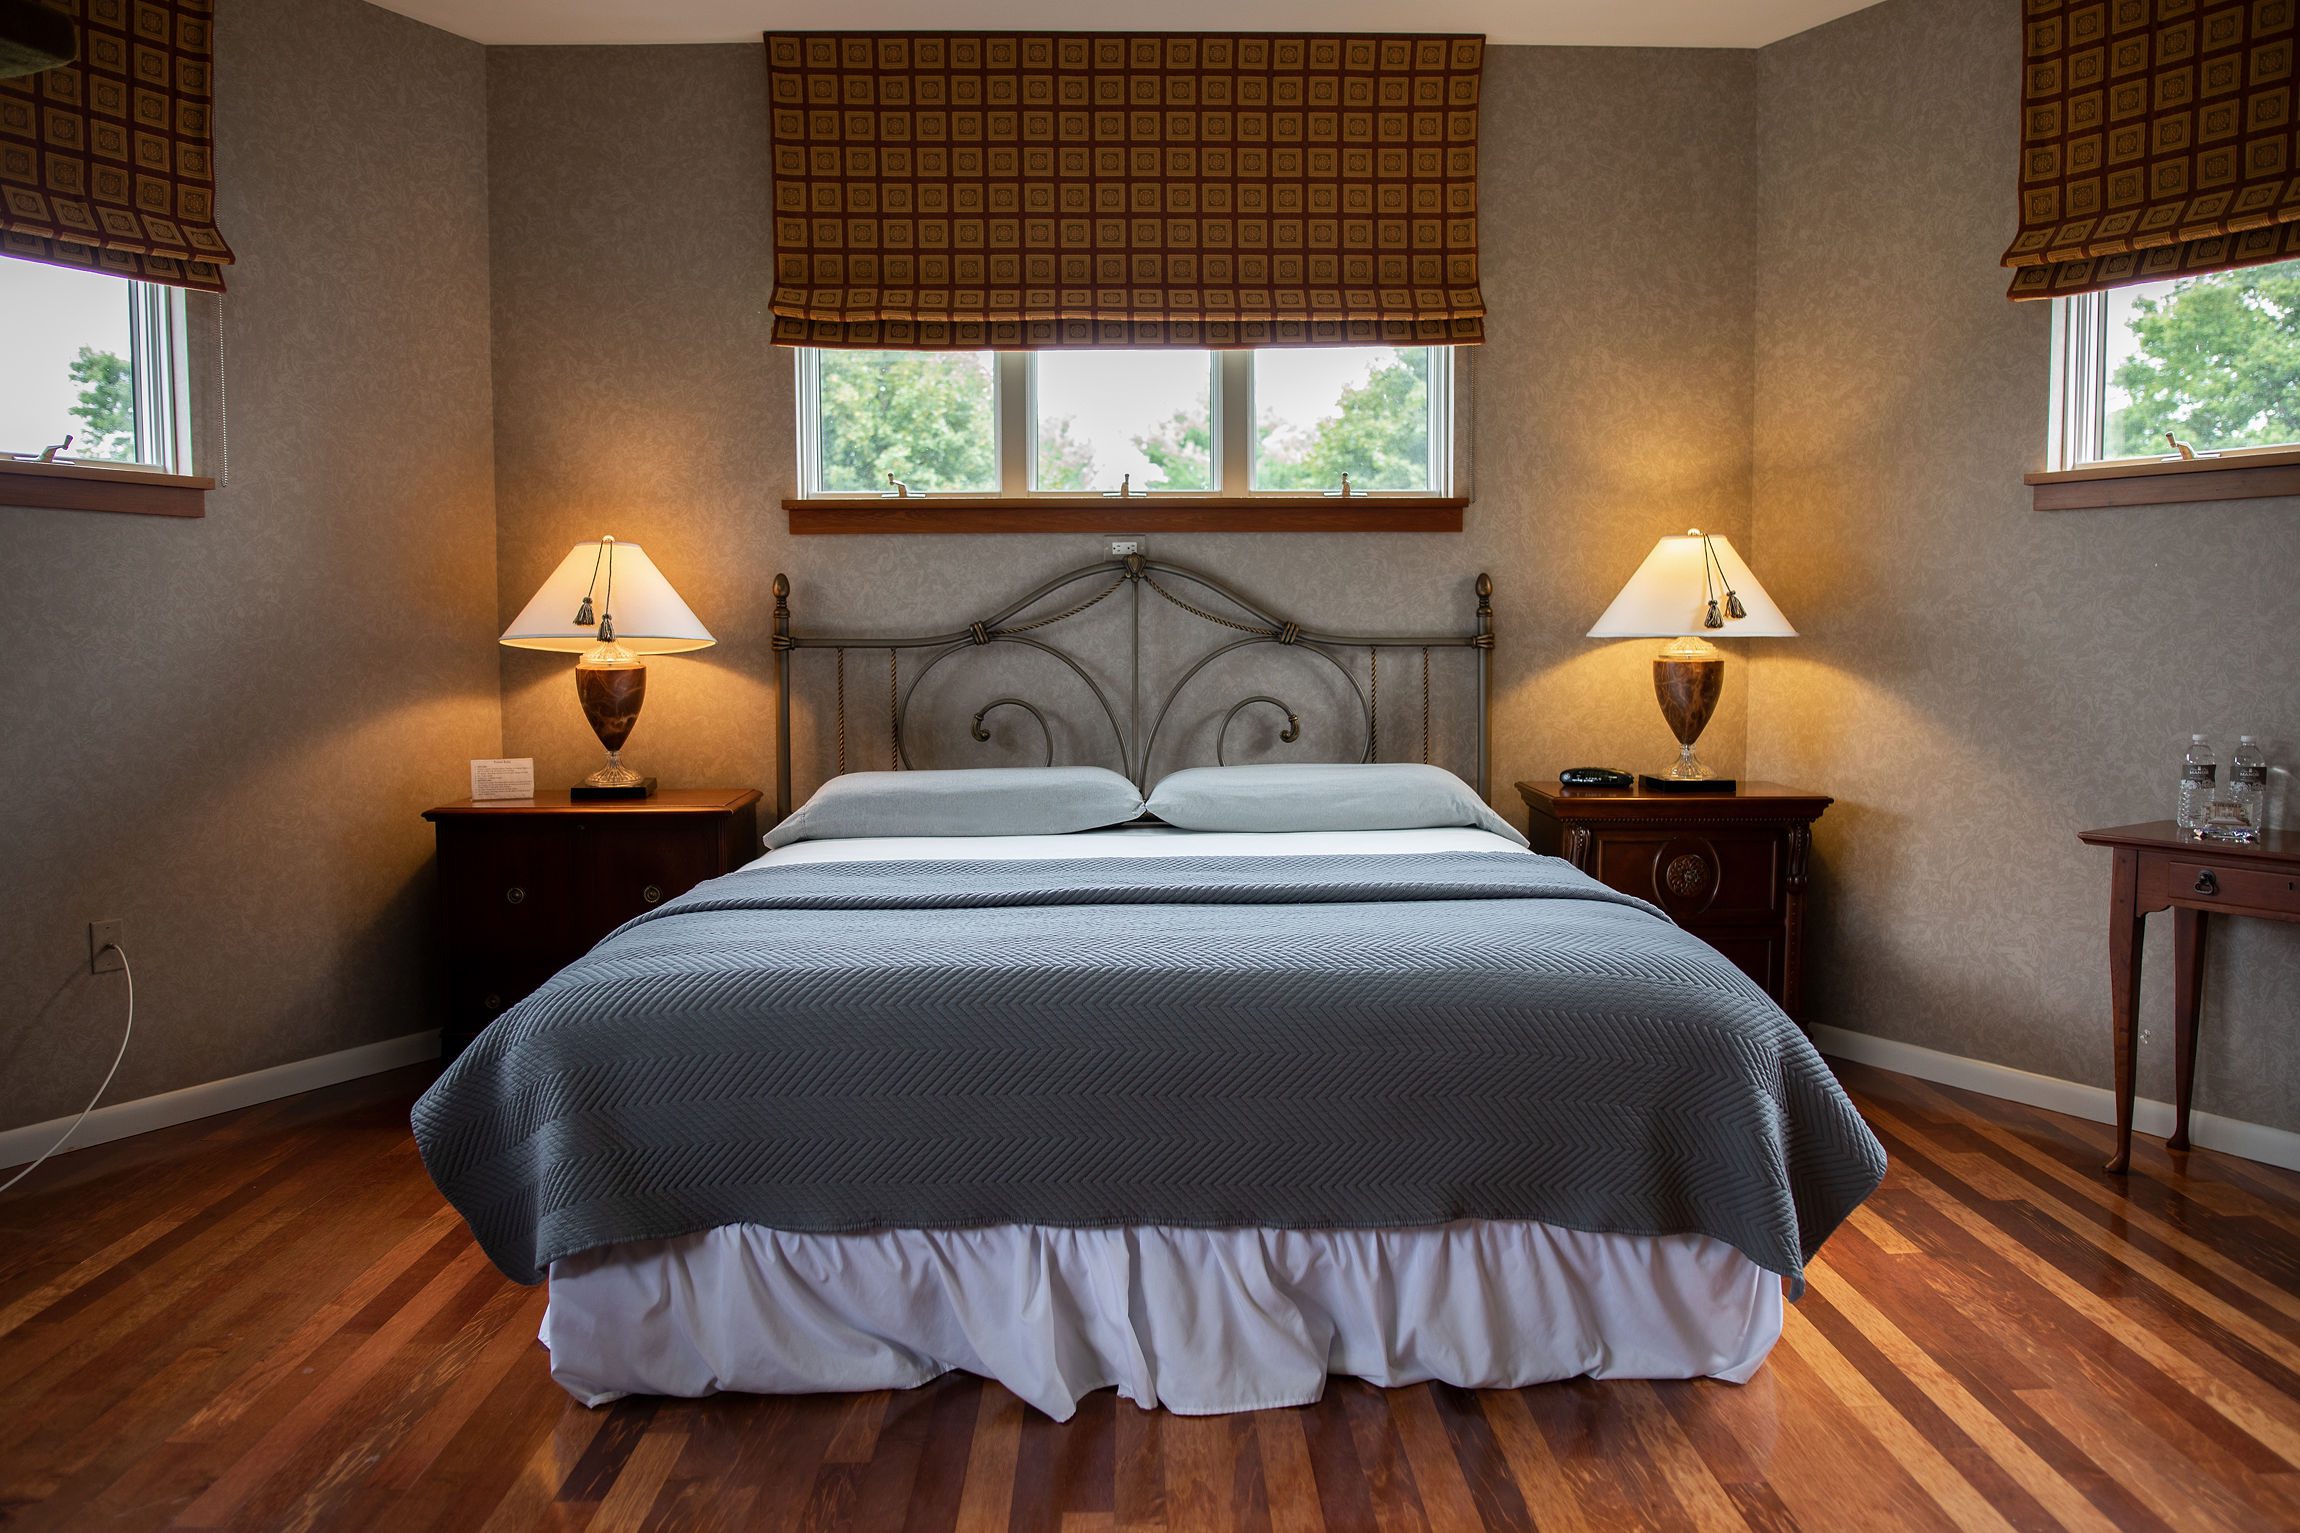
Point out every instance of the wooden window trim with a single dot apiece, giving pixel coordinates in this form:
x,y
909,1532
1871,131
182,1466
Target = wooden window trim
x,y
2241,474
1136,513
82,487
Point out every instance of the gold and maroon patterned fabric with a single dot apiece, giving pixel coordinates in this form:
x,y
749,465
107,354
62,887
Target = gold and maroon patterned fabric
x,y
2157,140
108,162
1022,191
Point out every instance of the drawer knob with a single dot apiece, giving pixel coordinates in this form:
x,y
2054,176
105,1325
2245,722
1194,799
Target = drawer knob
x,y
2206,883
652,894
515,895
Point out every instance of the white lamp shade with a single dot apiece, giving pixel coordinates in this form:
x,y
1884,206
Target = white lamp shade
x,y
650,619
1669,597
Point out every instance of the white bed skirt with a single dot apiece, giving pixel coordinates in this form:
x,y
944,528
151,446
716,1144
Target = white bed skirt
x,y
1199,1321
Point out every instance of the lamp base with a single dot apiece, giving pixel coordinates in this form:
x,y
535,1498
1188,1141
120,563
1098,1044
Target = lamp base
x,y
643,788
1649,783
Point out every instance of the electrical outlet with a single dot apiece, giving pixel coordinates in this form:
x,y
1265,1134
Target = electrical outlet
x,y
103,950
1121,547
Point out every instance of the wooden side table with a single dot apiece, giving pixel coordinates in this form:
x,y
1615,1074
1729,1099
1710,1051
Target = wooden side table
x,y
526,886
2159,868
1731,867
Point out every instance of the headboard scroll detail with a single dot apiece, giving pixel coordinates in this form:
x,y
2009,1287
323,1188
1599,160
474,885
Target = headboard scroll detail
x,y
1135,574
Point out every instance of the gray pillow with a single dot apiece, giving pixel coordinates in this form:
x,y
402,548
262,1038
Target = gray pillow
x,y
976,801
1357,795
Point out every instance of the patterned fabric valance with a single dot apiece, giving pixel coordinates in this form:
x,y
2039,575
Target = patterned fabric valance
x,y
1103,189
2156,141
108,162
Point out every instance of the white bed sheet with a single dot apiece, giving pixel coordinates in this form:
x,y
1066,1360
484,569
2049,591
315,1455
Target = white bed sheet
x,y
1143,841
1200,1321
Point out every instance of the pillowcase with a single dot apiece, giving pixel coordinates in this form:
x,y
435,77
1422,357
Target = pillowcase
x,y
1354,795
971,801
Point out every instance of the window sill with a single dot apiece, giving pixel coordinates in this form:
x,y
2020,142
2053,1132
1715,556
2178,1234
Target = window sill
x,y
2245,474
1136,513
84,487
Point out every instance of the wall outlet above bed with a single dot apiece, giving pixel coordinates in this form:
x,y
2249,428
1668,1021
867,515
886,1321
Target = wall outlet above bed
x,y
1121,547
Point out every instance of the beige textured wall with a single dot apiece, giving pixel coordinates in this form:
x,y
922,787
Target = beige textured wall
x,y
1978,681
635,393
223,731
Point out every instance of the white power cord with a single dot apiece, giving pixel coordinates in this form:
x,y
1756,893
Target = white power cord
x,y
126,1033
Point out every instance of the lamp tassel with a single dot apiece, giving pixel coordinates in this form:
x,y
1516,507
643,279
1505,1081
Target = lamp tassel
x,y
607,629
1714,619
1733,607
583,617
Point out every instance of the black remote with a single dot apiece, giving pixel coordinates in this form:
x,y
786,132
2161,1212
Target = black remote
x,y
1594,777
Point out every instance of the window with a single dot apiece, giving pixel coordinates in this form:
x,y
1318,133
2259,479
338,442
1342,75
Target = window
x,y
98,358
2213,361
1143,419
1155,421
1372,412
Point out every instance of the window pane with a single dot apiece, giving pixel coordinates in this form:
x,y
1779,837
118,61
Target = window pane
x,y
68,362
929,418
2213,360
1322,412
1107,415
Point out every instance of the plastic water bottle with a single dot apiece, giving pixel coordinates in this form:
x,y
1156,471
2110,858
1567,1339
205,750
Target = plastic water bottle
x,y
2199,769
2248,782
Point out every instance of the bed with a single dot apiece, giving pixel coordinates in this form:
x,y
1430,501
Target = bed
x,y
1316,1070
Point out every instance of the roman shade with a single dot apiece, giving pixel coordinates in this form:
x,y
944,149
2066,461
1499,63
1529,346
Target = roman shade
x,y
2156,141
1016,191
107,162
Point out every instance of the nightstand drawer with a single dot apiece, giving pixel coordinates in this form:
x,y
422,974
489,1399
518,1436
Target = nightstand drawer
x,y
1755,953
634,869
1692,875
480,990
508,887
2210,885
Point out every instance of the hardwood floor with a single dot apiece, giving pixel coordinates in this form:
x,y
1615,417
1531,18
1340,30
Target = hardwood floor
x,y
270,1321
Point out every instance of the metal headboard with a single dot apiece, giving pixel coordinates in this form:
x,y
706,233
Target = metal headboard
x,y
1135,574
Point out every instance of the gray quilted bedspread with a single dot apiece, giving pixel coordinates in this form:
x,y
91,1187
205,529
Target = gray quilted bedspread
x,y
1304,1042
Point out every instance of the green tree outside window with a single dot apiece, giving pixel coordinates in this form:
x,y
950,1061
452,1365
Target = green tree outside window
x,y
2217,364
107,407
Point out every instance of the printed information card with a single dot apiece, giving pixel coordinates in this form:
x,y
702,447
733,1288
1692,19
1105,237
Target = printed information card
x,y
503,779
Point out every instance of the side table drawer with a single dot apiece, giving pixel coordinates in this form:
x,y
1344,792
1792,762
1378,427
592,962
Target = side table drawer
x,y
482,987
1756,953
635,868
1694,874
2210,885
507,888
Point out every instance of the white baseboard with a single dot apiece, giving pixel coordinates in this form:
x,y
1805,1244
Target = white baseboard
x,y
2253,1141
120,1119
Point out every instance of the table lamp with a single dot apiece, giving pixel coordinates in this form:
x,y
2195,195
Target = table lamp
x,y
1691,589
609,604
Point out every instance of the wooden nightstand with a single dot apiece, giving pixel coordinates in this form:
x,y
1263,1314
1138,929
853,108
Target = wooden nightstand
x,y
1731,867
526,886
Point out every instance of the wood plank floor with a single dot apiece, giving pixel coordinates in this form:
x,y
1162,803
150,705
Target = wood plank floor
x,y
268,1320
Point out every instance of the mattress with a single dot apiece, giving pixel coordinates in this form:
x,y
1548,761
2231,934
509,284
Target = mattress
x,y
1197,1320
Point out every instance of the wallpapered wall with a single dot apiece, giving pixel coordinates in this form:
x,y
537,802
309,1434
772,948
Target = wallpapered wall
x,y
224,731
1752,292
1978,681
636,393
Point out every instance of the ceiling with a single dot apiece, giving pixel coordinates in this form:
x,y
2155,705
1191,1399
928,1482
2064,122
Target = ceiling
x,y
1609,23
